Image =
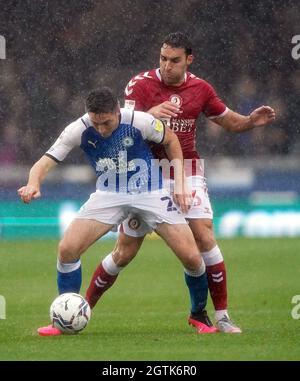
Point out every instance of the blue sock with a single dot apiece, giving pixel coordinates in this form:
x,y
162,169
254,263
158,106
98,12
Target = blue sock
x,y
198,288
69,277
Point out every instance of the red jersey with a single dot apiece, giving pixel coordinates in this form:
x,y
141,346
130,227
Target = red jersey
x,y
194,96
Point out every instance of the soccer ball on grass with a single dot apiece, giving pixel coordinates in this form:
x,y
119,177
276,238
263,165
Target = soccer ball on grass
x,y
70,313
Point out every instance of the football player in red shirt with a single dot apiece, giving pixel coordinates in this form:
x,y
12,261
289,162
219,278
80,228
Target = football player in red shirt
x,y
178,97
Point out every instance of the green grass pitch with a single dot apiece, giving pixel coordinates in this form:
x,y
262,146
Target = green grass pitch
x,y
144,315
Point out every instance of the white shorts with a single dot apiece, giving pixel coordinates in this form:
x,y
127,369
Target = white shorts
x,y
149,209
201,207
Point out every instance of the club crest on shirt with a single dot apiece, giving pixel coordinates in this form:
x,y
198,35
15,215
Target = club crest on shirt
x,y
127,141
176,99
134,223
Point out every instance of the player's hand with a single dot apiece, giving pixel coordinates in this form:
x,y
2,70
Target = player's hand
x,y
262,116
165,110
183,200
28,193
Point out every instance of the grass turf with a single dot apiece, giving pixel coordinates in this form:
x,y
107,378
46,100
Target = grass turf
x,y
144,315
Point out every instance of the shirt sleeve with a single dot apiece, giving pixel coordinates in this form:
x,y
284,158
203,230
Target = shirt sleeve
x,y
214,106
68,139
135,95
152,129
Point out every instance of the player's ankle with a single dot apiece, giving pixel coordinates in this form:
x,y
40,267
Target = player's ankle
x,y
221,313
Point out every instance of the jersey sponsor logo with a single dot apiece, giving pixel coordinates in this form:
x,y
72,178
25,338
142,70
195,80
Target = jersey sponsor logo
x,y
182,125
176,99
93,143
118,164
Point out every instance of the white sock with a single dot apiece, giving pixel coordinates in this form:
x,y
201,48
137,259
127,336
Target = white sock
x,y
196,273
213,256
68,267
220,313
109,265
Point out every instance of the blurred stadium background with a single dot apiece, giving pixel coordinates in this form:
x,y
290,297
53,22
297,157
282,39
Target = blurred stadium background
x,y
56,52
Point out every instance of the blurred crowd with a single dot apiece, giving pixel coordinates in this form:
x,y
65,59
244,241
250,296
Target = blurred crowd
x,y
58,51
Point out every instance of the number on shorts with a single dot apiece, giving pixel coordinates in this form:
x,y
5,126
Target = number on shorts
x,y
170,207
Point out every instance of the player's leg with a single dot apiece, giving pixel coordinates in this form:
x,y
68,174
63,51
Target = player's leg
x,y
132,233
94,219
200,218
213,258
202,229
159,212
187,252
107,272
80,235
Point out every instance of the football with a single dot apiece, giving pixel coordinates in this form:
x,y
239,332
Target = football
x,y
70,313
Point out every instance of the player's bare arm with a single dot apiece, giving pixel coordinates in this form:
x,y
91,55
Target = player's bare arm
x,y
37,174
166,109
234,122
181,196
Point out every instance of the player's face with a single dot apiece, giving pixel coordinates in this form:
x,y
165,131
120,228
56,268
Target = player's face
x,y
173,65
105,123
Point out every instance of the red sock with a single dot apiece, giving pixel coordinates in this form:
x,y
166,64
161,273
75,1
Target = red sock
x,y
100,282
216,276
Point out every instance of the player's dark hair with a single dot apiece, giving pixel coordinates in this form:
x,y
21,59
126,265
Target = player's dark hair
x,y
178,40
101,101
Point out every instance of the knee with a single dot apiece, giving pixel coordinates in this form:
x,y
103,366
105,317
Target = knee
x,y
124,253
205,240
67,253
192,262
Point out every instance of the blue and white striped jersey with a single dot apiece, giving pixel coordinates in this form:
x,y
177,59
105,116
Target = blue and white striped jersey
x,y
123,161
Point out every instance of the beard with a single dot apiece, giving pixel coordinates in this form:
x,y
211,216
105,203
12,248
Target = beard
x,y
171,79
